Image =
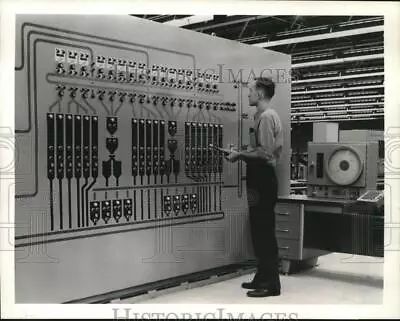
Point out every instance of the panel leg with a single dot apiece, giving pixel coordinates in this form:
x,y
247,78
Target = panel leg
x,y
309,263
312,262
285,266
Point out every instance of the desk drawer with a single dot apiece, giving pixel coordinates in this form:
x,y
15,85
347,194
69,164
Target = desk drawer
x,y
285,212
289,249
287,229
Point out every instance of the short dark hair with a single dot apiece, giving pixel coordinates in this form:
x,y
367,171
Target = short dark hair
x,y
266,85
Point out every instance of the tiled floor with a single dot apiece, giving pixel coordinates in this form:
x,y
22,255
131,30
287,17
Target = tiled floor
x,y
338,279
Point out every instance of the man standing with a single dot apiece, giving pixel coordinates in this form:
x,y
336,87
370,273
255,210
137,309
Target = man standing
x,y
262,187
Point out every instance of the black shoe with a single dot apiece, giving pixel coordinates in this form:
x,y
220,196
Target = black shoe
x,y
261,293
250,285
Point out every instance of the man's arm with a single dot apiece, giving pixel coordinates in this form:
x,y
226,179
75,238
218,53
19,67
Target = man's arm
x,y
257,153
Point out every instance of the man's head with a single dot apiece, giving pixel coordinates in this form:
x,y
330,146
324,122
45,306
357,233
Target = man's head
x,y
261,89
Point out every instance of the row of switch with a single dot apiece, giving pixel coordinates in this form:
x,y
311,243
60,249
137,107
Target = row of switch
x,y
148,152
142,98
177,203
121,70
200,158
67,134
148,140
82,58
108,209
138,78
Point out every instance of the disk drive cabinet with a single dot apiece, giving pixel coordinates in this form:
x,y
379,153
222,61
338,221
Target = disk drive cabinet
x,y
116,184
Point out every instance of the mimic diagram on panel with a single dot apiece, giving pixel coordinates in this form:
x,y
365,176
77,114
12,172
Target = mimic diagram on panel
x,y
174,127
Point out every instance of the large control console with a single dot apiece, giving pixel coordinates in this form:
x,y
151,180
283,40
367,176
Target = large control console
x,y
119,185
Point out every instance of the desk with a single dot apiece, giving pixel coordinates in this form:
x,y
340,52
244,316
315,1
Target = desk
x,y
309,227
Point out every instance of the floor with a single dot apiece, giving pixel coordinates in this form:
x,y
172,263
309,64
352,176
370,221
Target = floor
x,y
337,279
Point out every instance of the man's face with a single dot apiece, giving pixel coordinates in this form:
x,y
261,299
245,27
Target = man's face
x,y
253,94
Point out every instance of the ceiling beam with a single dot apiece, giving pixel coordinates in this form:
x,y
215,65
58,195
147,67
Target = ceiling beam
x,y
335,89
189,20
337,61
291,23
374,74
335,98
155,18
230,23
243,29
323,36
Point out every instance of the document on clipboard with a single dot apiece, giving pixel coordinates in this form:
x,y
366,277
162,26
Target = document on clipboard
x,y
223,150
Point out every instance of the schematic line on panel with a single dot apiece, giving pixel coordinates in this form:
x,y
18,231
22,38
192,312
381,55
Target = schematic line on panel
x,y
29,72
89,105
24,25
29,115
95,93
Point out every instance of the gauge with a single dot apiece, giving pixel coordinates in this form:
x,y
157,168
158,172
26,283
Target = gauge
x,y
344,166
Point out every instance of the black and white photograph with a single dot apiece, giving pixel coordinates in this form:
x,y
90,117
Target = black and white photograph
x,y
163,158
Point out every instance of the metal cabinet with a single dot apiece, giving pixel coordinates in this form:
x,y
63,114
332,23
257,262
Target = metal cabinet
x,y
289,230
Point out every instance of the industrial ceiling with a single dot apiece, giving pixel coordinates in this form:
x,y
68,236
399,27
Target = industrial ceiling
x,y
337,61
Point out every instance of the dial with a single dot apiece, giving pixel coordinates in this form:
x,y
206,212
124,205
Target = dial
x,y
344,166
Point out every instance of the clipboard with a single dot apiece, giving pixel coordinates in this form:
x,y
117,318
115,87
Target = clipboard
x,y
223,150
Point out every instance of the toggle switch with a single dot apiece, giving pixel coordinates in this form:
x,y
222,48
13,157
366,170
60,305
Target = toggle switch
x,y
60,68
176,204
112,144
121,96
167,204
100,73
72,70
193,202
172,128
84,72
60,89
127,208
106,210
185,203
94,212
112,125
132,97
172,145
84,92
101,94
141,98
117,210
112,94
155,100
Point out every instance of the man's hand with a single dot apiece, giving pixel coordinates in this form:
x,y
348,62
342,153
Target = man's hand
x,y
234,156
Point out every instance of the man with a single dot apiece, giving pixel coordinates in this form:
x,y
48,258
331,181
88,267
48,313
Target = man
x,y
262,187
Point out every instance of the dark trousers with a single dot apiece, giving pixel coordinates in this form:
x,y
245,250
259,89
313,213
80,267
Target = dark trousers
x,y
262,193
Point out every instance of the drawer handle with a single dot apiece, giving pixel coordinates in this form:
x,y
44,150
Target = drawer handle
x,y
282,230
282,213
284,247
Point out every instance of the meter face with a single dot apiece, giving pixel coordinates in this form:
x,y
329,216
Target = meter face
x,y
344,166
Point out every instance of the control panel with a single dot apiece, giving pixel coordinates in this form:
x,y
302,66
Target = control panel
x,y
124,118
97,98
